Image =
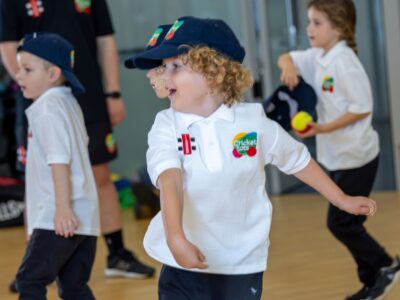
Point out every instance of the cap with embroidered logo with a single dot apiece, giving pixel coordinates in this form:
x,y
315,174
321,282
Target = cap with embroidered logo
x,y
155,40
56,50
213,33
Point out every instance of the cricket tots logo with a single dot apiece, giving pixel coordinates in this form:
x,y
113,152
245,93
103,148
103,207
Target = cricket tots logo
x,y
244,144
327,84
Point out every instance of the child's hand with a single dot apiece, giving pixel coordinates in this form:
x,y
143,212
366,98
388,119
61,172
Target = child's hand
x,y
315,129
187,255
358,205
65,222
289,77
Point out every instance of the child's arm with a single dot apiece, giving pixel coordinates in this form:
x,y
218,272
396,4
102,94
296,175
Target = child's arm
x,y
343,121
289,76
315,177
65,221
185,253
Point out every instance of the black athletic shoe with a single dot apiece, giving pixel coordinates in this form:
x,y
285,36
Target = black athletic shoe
x,y
362,294
387,277
125,264
13,286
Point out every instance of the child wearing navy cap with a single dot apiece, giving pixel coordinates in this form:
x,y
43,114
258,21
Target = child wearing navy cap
x,y
207,154
154,74
61,196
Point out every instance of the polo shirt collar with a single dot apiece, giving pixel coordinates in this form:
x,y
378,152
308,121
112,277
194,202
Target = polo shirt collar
x,y
36,105
222,113
326,59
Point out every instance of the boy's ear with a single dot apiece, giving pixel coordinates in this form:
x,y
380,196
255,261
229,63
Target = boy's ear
x,y
55,73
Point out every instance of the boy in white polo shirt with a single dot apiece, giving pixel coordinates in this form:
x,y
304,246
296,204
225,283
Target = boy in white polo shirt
x,y
61,196
347,145
207,155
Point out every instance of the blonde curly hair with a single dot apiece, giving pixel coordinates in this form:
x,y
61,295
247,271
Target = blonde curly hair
x,y
224,76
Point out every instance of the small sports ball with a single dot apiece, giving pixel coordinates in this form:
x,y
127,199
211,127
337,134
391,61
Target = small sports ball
x,y
301,122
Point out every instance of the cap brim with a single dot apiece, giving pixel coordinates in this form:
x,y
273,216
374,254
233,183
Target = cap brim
x,y
74,83
130,63
153,58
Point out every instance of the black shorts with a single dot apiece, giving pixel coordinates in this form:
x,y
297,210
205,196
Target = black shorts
x,y
102,143
178,284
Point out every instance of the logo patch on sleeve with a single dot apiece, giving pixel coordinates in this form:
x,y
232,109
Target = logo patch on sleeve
x,y
244,144
186,144
111,143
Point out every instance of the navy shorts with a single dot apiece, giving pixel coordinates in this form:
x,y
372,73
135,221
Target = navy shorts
x,y
178,284
49,257
102,143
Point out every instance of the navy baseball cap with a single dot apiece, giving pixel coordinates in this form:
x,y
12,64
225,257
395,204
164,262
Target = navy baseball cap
x,y
283,104
155,40
213,33
56,50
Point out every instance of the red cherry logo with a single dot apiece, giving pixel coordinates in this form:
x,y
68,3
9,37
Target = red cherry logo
x,y
236,153
252,151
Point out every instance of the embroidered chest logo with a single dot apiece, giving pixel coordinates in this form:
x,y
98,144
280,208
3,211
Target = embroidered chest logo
x,y
170,34
34,8
186,144
327,84
83,6
244,144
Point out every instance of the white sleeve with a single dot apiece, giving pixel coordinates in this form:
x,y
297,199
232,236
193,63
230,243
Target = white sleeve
x,y
305,63
53,138
162,153
282,150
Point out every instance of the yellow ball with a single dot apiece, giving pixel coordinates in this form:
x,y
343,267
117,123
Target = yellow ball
x,y
300,122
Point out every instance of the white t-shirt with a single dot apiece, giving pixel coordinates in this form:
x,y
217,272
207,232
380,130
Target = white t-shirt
x,y
226,210
57,135
342,86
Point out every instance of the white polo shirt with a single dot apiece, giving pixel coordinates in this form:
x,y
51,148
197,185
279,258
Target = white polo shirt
x,y
57,135
342,86
226,210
